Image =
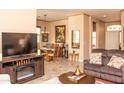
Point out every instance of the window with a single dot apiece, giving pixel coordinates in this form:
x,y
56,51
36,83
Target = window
x,y
94,40
114,28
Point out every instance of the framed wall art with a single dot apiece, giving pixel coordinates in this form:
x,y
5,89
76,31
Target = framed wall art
x,y
44,37
60,33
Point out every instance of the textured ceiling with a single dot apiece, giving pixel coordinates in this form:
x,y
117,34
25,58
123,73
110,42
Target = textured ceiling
x,y
106,15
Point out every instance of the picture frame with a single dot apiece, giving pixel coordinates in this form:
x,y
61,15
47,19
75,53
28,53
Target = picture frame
x,y
60,33
75,39
45,37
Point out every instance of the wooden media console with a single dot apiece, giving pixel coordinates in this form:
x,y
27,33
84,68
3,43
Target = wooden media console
x,y
23,68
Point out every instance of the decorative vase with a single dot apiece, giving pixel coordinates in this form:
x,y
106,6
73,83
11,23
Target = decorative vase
x,y
77,71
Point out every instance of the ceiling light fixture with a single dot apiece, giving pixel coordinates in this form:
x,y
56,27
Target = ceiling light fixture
x,y
45,23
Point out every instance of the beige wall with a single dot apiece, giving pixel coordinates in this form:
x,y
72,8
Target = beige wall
x,y
122,23
100,34
19,21
87,35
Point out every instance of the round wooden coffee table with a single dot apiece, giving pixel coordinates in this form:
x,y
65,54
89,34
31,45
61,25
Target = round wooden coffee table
x,y
85,80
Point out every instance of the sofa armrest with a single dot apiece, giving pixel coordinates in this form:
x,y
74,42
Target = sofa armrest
x,y
122,68
86,61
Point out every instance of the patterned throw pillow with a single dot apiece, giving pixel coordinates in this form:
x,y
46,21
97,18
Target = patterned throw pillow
x,y
116,62
96,58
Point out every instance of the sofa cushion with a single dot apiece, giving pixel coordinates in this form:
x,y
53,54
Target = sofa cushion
x,y
111,70
116,62
96,58
93,67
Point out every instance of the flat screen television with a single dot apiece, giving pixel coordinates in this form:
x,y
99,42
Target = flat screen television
x,y
18,43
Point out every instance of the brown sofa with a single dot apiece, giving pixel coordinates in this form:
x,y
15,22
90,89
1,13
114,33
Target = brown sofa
x,y
103,71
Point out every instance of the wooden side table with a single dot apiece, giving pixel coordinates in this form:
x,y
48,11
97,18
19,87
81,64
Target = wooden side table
x,y
74,57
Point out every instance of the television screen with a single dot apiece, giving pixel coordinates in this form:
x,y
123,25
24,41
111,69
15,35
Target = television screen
x,y
18,43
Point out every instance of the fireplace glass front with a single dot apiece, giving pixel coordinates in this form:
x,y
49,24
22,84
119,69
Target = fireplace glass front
x,y
25,71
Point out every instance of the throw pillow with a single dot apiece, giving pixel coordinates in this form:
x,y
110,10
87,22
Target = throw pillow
x,y
116,62
96,58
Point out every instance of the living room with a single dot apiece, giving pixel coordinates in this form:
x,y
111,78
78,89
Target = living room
x,y
82,30
42,83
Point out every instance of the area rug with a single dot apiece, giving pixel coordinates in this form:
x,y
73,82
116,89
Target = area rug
x,y
101,81
52,81
56,81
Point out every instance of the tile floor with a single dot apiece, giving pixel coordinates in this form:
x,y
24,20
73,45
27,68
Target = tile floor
x,y
55,68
